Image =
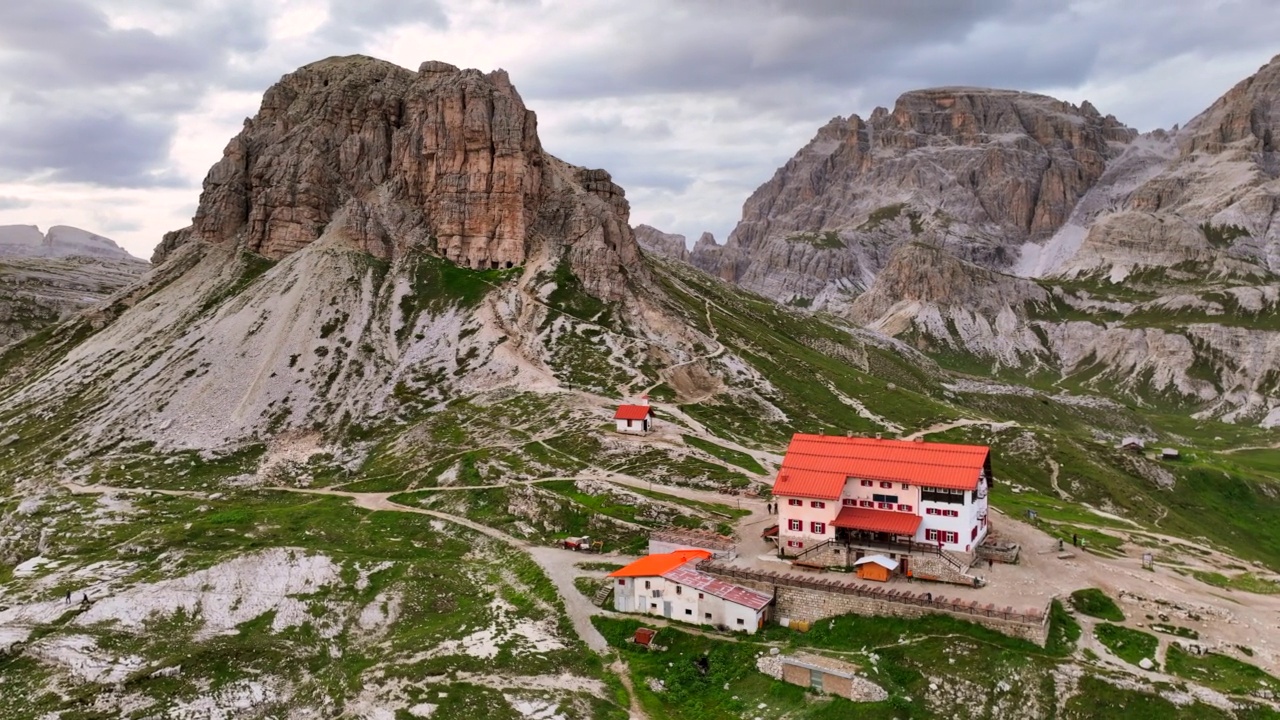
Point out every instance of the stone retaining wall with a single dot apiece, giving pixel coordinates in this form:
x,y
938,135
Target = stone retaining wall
x,y
1000,552
667,540
809,598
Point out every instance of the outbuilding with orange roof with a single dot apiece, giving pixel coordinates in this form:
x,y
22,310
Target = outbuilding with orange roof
x,y
670,585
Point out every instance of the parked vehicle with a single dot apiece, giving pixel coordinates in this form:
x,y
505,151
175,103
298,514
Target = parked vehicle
x,y
583,544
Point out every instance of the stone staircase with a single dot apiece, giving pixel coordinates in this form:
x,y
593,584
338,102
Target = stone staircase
x,y
602,594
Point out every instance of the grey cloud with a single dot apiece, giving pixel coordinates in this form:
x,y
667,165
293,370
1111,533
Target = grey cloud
x,y
349,21
84,100
13,203
754,43
109,149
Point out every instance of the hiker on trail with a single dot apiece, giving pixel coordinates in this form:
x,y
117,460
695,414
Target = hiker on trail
x,y
68,600
1075,539
991,563
1059,544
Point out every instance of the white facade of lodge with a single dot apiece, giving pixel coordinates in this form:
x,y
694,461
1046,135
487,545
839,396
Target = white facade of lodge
x,y
855,490
958,518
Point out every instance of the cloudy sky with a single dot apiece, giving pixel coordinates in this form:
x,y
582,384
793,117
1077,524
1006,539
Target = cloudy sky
x,y
111,111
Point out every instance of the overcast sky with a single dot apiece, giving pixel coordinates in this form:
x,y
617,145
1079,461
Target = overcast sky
x,y
111,111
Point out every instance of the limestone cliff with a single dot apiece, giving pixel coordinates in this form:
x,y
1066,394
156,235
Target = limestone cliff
x,y
373,243
931,220
47,277
665,244
982,171
444,158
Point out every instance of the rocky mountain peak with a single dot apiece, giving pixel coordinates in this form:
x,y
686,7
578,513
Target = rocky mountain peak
x,y
666,244
984,170
62,241
1247,116
969,116
388,159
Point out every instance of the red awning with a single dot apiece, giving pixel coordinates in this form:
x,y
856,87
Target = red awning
x,y
885,521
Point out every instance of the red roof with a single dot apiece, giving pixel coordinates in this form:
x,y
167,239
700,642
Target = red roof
x,y
817,466
885,521
656,565
633,412
687,575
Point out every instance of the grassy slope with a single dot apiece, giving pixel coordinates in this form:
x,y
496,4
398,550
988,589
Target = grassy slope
x,y
443,597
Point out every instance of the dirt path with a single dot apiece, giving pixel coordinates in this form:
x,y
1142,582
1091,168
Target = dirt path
x,y
1275,446
623,671
715,335
963,422
78,489
1054,468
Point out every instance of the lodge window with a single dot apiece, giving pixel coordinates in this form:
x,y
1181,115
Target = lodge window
x,y
688,611
646,584
818,528
795,525
866,483
741,621
656,593
886,485
795,544
795,503
906,486
622,581
943,496
904,508
885,498
931,535
707,616
974,535
951,513
817,504
885,506
653,606
850,502
678,589
700,596
865,503
951,537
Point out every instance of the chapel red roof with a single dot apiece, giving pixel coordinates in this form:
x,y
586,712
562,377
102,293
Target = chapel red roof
x,y
871,520
817,466
633,412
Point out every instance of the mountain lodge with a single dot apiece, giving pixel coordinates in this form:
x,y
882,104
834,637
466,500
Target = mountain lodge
x,y
843,498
